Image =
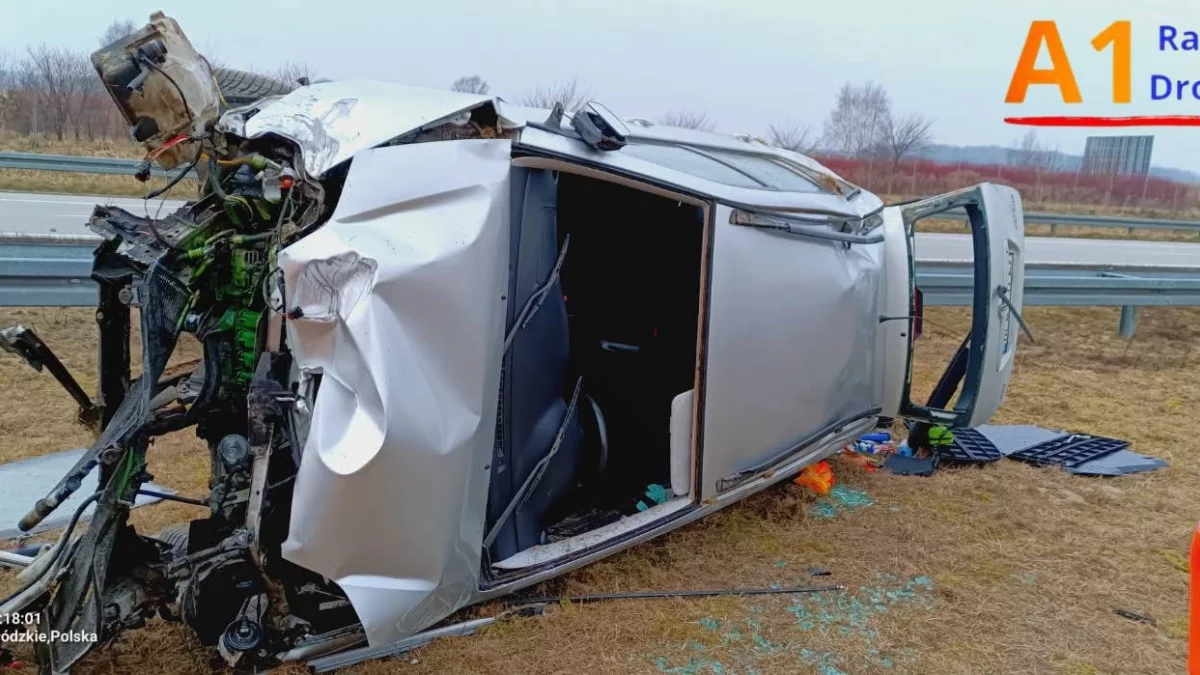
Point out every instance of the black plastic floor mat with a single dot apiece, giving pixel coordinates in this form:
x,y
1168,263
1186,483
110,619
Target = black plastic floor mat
x,y
970,447
1070,451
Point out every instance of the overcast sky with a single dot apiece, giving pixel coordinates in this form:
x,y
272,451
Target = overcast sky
x,y
747,63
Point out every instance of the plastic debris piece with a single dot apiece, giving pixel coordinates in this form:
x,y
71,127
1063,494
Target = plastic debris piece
x,y
1136,616
816,477
1119,463
24,480
970,446
656,494
910,466
1070,451
1010,438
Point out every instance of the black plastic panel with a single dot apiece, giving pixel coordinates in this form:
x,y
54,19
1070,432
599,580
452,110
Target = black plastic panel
x,y
970,447
1070,451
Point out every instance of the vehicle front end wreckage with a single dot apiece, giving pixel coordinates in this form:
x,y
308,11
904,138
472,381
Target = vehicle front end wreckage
x,y
210,269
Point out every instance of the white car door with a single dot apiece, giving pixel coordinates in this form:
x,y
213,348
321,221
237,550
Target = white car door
x,y
981,370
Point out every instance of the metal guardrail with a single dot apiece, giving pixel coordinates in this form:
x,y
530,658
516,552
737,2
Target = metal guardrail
x,y
1121,222
55,272
952,284
1125,222
47,275
75,164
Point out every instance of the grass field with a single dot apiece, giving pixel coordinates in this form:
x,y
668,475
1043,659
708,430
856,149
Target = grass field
x,y
1006,568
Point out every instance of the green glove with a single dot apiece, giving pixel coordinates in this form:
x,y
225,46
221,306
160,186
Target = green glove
x,y
940,436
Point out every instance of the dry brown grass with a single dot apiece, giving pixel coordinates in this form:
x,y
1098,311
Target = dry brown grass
x,y
1027,564
17,180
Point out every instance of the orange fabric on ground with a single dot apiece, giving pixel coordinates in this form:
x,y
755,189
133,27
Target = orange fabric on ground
x,y
816,477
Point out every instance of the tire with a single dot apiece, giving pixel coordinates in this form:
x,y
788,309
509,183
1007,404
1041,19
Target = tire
x,y
240,88
175,536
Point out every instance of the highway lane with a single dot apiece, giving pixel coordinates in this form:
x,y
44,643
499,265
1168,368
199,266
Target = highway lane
x,y
1118,254
28,213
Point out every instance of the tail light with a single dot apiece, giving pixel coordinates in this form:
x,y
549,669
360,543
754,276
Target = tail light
x,y
918,313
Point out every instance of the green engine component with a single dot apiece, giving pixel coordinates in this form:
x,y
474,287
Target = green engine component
x,y
245,271
243,325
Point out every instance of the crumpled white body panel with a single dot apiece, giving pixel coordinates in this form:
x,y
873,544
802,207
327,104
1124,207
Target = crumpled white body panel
x,y
402,294
333,121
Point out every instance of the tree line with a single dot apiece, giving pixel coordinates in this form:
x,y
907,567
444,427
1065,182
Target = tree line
x,y
862,122
54,91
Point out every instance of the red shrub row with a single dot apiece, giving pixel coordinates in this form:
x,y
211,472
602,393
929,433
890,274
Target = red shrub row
x,y
925,177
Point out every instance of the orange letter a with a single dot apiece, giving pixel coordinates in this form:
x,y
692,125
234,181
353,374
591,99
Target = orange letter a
x,y
1059,73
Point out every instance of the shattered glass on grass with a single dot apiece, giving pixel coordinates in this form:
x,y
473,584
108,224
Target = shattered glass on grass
x,y
847,615
840,498
744,636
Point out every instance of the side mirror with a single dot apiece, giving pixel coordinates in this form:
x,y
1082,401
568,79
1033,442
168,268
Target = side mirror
x,y
599,127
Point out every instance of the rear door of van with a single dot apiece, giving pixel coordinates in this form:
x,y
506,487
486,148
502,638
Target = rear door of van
x,y
973,385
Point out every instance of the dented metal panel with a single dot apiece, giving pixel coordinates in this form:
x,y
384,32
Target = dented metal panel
x,y
403,318
332,121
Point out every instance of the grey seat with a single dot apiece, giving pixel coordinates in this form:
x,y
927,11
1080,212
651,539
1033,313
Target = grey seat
x,y
533,390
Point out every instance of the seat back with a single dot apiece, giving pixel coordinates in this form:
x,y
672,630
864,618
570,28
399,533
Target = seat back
x,y
532,405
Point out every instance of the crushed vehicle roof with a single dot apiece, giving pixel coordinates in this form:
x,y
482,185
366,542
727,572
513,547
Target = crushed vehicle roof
x,y
333,121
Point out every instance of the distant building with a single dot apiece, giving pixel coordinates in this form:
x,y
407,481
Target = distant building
x,y
1119,155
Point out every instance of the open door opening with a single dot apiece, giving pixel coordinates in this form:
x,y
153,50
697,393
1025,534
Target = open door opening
x,y
980,354
597,402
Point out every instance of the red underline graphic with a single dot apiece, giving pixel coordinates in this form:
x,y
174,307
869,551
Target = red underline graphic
x,y
1137,121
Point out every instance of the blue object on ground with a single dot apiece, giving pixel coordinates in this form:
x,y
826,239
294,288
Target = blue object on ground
x,y
655,493
910,466
880,437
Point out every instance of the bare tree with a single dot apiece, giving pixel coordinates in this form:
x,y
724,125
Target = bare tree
x,y
57,80
857,123
116,30
903,136
566,92
795,137
9,99
688,119
295,72
1031,153
6,73
470,84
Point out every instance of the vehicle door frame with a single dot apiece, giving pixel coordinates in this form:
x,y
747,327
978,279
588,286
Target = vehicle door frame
x,y
532,157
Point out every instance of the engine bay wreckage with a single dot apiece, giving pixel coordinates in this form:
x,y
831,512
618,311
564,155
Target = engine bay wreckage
x,y
453,348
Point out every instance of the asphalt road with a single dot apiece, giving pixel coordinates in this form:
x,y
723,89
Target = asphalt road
x,y
1068,252
29,213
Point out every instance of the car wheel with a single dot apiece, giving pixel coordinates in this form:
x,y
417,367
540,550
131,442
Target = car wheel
x,y
240,88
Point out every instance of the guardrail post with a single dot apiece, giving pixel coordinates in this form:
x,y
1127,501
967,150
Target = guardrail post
x,y
1128,320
